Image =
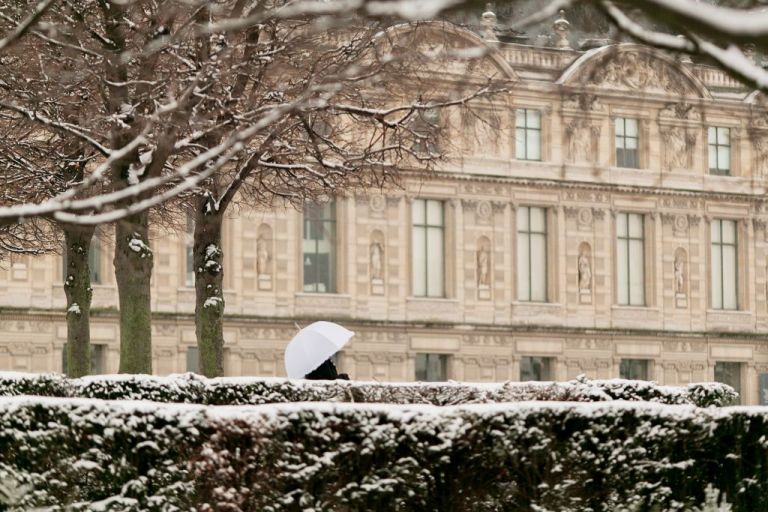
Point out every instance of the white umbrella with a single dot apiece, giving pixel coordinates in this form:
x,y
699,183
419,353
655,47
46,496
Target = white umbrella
x,y
312,346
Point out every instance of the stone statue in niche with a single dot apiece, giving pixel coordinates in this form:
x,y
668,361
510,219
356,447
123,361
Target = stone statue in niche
x,y
483,267
262,257
377,257
679,268
263,272
585,274
581,136
760,158
680,147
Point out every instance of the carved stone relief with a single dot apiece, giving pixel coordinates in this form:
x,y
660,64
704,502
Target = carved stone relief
x,y
377,203
760,155
679,148
585,102
264,257
483,270
680,111
681,278
637,71
376,253
582,141
585,273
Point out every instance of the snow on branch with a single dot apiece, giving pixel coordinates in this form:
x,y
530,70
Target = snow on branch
x,y
26,24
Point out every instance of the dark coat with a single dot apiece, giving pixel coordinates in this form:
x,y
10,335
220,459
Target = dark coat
x,y
326,371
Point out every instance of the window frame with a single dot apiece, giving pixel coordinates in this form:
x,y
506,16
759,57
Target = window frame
x,y
631,360
526,130
740,374
722,245
622,162
547,368
444,362
716,146
427,228
628,239
307,228
530,234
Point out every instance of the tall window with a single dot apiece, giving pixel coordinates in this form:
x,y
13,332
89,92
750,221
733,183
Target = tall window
x,y
426,127
189,243
428,248
94,261
97,359
320,248
431,367
633,369
528,134
724,265
535,368
532,254
630,259
627,154
729,373
719,139
193,360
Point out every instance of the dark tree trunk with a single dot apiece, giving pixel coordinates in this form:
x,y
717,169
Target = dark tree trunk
x,y
209,292
133,271
77,286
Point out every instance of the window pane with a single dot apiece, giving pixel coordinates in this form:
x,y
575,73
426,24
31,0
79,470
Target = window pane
x,y
716,277
621,224
622,270
534,119
520,118
419,251
520,144
723,158
319,248
634,369
435,213
193,360
533,148
619,125
522,218
712,135
523,267
729,277
729,231
535,368
631,128
538,220
714,228
636,273
712,157
431,367
730,374
538,268
434,265
724,136
94,261
418,210
635,225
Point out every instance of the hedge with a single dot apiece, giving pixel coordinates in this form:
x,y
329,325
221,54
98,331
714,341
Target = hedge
x,y
81,454
194,389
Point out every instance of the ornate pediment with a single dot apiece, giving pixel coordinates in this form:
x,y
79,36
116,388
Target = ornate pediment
x,y
634,68
444,48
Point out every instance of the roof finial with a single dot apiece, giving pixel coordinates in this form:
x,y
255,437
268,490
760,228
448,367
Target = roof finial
x,y
562,29
489,23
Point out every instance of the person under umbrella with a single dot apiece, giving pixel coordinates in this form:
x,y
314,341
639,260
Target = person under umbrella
x,y
309,353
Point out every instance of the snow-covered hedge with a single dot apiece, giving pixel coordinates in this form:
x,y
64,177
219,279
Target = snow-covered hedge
x,y
617,456
189,388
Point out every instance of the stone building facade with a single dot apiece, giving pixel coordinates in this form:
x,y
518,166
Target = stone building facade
x,y
610,221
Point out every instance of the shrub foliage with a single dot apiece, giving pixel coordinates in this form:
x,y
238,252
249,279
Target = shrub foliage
x,y
621,456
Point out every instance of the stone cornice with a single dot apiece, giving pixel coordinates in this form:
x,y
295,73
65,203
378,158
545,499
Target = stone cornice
x,y
270,322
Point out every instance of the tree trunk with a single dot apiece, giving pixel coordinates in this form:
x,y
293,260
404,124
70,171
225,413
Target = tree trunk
x,y
209,293
133,271
77,286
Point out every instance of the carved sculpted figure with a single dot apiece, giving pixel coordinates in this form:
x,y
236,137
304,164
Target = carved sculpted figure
x,y
377,256
581,135
680,274
585,272
262,257
761,156
483,267
680,146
